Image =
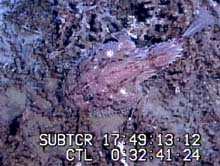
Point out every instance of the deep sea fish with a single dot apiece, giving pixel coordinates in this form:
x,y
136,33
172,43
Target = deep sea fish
x,y
108,81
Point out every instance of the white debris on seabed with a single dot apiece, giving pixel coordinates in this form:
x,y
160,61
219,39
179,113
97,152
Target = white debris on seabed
x,y
123,92
109,53
78,164
122,151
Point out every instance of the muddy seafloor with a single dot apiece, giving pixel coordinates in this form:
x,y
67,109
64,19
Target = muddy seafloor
x,y
41,41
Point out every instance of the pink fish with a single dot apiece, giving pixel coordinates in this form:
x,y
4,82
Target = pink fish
x,y
108,81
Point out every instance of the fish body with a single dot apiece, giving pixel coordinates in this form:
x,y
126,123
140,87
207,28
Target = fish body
x,y
110,79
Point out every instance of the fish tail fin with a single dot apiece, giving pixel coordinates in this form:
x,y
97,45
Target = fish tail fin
x,y
201,21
